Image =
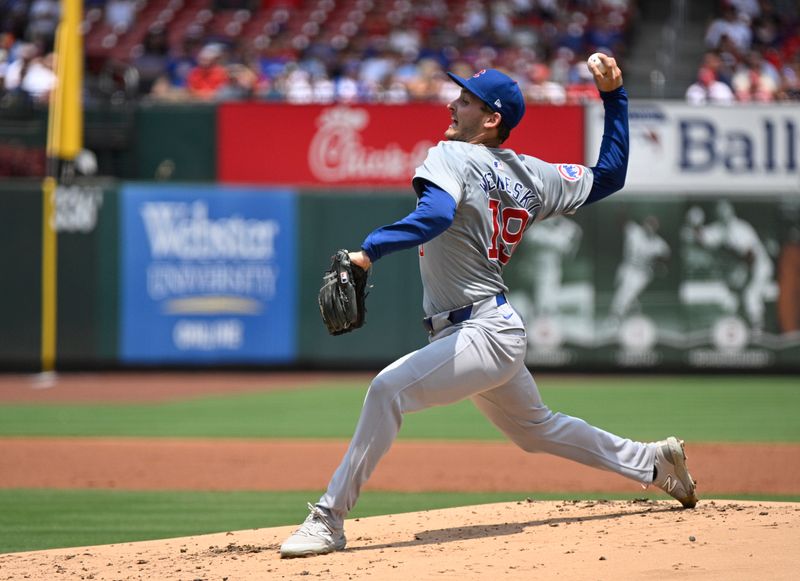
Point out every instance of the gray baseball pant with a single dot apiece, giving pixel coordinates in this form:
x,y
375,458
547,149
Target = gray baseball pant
x,y
483,359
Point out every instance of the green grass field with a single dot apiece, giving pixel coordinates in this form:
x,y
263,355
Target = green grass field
x,y
703,409
700,409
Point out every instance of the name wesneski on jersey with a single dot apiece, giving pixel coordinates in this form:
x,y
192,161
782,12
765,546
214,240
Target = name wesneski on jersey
x,y
491,180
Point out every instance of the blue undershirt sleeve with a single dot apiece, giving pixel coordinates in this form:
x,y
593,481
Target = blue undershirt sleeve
x,y
434,214
612,163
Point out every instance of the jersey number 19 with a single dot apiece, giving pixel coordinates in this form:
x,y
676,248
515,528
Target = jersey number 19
x,y
508,227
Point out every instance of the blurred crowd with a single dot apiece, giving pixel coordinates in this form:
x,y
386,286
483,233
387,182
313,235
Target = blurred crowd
x,y
402,55
753,54
27,30
378,51
394,51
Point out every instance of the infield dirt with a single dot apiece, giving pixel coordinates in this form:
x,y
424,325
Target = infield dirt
x,y
524,540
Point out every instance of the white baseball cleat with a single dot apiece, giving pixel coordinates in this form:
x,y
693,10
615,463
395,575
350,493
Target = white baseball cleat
x,y
318,535
672,476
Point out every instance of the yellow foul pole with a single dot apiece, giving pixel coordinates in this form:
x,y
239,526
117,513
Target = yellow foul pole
x,y
64,141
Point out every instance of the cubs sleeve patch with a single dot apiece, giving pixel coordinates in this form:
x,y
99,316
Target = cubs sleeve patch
x,y
570,171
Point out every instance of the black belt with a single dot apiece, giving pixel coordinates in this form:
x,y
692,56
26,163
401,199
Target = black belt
x,y
460,315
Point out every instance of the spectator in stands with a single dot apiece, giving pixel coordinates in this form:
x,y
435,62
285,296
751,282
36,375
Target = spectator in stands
x,y
297,87
42,22
756,79
7,46
756,61
404,36
392,91
573,72
348,88
766,26
182,60
120,14
377,66
314,60
31,76
573,33
723,69
267,89
733,25
275,58
502,17
13,20
474,20
18,63
152,63
391,51
729,54
540,89
41,78
751,83
241,84
605,35
451,91
561,65
209,76
406,68
581,84
750,8
708,90
427,86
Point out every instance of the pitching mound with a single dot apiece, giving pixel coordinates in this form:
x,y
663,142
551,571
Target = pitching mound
x,y
571,540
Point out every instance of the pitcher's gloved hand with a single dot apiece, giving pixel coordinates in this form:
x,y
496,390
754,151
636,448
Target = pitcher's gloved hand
x,y
343,295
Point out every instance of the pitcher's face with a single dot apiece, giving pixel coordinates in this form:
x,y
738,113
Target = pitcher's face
x,y
468,117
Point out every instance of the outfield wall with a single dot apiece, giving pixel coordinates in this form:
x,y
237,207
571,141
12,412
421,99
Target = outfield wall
x,y
188,275
210,249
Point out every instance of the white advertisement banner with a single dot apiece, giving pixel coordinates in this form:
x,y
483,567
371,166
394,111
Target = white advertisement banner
x,y
677,147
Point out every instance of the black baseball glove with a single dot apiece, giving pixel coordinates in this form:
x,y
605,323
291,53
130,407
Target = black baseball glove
x,y
343,295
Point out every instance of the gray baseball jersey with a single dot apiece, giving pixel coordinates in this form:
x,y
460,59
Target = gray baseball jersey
x,y
498,195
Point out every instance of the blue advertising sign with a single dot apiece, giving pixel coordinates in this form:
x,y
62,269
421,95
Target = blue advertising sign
x,y
207,275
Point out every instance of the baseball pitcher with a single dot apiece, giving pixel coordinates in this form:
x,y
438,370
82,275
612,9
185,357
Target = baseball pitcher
x,y
476,199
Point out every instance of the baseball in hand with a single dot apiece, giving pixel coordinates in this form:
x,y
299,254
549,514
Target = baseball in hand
x,y
595,60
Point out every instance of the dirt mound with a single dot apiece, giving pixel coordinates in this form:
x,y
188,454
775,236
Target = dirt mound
x,y
572,540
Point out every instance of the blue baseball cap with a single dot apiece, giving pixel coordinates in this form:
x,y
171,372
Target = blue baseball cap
x,y
499,91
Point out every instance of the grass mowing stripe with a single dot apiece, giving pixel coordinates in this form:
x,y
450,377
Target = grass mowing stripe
x,y
713,408
45,519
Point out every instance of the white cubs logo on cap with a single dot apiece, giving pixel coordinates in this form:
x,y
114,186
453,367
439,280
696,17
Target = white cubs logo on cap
x,y
570,171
